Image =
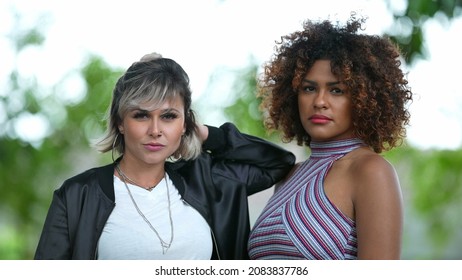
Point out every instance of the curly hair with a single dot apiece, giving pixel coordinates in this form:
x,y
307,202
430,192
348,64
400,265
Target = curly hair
x,y
368,65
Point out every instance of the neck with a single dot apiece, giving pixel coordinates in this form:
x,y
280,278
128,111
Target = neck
x,y
143,175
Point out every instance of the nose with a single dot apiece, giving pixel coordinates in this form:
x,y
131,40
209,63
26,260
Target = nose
x,y
155,129
320,101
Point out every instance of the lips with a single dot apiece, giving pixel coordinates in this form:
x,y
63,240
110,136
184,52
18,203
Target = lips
x,y
154,147
319,119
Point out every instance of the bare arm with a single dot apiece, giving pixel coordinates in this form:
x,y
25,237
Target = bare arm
x,y
378,210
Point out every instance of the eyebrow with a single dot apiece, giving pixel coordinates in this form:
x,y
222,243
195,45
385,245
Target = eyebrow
x,y
168,110
164,110
306,81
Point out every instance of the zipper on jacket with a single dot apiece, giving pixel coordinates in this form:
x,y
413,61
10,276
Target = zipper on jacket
x,y
211,229
215,243
96,251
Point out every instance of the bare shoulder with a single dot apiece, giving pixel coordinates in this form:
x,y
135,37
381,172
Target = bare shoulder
x,y
367,165
373,175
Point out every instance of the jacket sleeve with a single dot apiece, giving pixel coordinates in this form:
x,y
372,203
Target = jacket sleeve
x,y
246,159
54,241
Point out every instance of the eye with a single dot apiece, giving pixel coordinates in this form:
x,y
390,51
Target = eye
x,y
170,116
336,91
308,89
140,115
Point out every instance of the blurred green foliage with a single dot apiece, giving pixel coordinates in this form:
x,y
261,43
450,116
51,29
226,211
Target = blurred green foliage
x,y
31,169
432,181
244,111
408,28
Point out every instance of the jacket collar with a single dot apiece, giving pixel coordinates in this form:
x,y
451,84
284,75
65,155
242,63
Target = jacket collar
x,y
176,178
106,180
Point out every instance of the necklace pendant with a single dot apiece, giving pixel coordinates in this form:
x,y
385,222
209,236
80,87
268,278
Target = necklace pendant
x,y
165,246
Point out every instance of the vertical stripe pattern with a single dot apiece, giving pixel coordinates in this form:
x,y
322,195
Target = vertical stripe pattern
x,y
299,221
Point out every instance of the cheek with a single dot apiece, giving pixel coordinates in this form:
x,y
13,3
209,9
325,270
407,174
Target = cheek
x,y
134,130
348,107
304,105
347,111
175,139
176,132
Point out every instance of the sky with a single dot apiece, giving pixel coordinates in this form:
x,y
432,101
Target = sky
x,y
206,35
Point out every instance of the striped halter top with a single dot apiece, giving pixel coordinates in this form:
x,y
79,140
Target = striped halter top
x,y
299,221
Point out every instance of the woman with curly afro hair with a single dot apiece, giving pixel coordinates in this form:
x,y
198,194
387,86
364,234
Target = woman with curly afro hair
x,y
342,94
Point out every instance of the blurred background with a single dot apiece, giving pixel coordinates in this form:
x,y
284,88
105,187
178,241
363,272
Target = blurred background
x,y
60,59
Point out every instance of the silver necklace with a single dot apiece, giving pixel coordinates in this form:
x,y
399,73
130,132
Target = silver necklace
x,y
131,181
165,245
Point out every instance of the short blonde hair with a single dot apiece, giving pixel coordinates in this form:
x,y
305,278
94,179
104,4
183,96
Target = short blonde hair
x,y
153,79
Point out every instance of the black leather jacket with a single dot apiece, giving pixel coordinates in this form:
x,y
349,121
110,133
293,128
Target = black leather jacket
x,y
232,166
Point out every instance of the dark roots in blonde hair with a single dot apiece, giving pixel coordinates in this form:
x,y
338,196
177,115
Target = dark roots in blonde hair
x,y
368,65
153,79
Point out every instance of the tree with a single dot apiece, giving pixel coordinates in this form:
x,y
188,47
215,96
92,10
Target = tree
x,y
30,169
413,19
432,186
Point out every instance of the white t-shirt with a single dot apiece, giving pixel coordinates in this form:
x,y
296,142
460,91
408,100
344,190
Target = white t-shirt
x,y
127,236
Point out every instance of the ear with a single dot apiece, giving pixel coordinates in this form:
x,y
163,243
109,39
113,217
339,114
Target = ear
x,y
121,129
